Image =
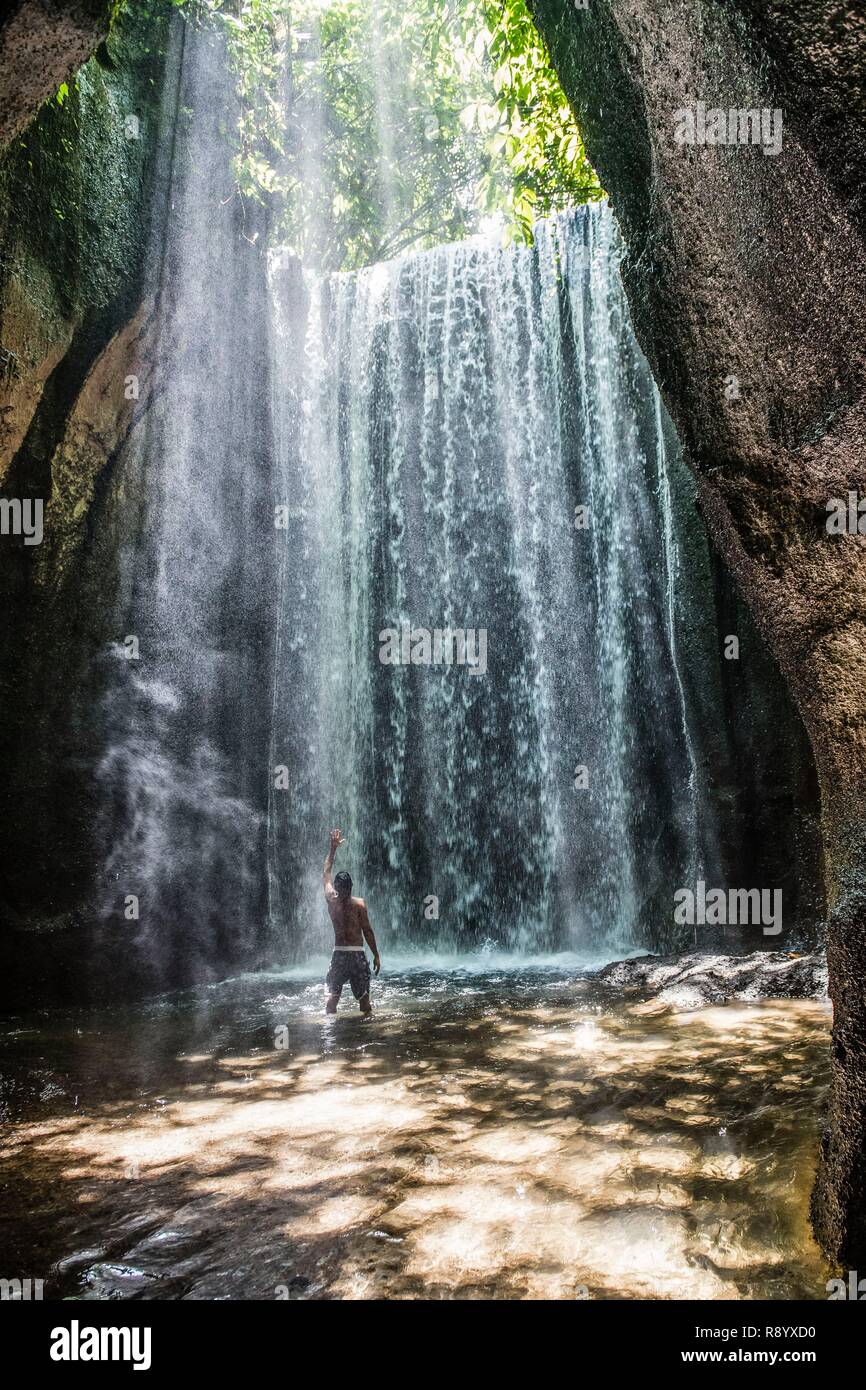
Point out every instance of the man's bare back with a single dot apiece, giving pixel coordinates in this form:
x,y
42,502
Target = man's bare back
x,y
351,929
349,917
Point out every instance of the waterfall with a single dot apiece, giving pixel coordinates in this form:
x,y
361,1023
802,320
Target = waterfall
x,y
334,478
442,420
304,465
187,513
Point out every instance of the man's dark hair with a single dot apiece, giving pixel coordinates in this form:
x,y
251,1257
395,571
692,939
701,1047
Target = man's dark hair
x,y
343,885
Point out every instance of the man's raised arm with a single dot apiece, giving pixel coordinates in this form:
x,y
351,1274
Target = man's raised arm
x,y
336,841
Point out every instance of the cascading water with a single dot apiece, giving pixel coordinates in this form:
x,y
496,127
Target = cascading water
x,y
408,450
472,440
323,482
184,709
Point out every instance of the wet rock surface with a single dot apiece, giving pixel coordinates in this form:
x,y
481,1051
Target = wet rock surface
x,y
746,275
698,978
42,42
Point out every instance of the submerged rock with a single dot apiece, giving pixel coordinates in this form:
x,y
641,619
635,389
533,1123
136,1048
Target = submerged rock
x,y
706,977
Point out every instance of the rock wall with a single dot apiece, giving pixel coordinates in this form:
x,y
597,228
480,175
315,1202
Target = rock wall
x,y
42,43
79,189
746,273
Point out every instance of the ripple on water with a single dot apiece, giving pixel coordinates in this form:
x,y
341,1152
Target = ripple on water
x,y
498,1133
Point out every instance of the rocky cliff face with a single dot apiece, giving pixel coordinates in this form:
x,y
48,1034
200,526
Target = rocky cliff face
x,y
76,202
746,273
42,43
79,190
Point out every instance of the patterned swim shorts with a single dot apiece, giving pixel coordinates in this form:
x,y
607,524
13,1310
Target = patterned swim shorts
x,y
349,967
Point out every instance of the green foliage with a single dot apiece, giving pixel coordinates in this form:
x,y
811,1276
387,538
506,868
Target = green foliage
x,y
372,126
546,163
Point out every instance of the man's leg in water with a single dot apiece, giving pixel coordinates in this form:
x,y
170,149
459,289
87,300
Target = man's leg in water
x,y
334,981
360,980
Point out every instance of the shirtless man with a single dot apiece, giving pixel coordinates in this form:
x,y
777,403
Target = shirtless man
x,y
351,929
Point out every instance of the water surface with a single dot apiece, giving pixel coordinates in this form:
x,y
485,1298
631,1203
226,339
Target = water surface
x,y
499,1130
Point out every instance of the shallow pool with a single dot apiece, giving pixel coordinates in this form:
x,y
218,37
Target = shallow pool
x,y
502,1130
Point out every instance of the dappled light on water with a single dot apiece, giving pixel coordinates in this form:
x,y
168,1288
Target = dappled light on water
x,y
514,1134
